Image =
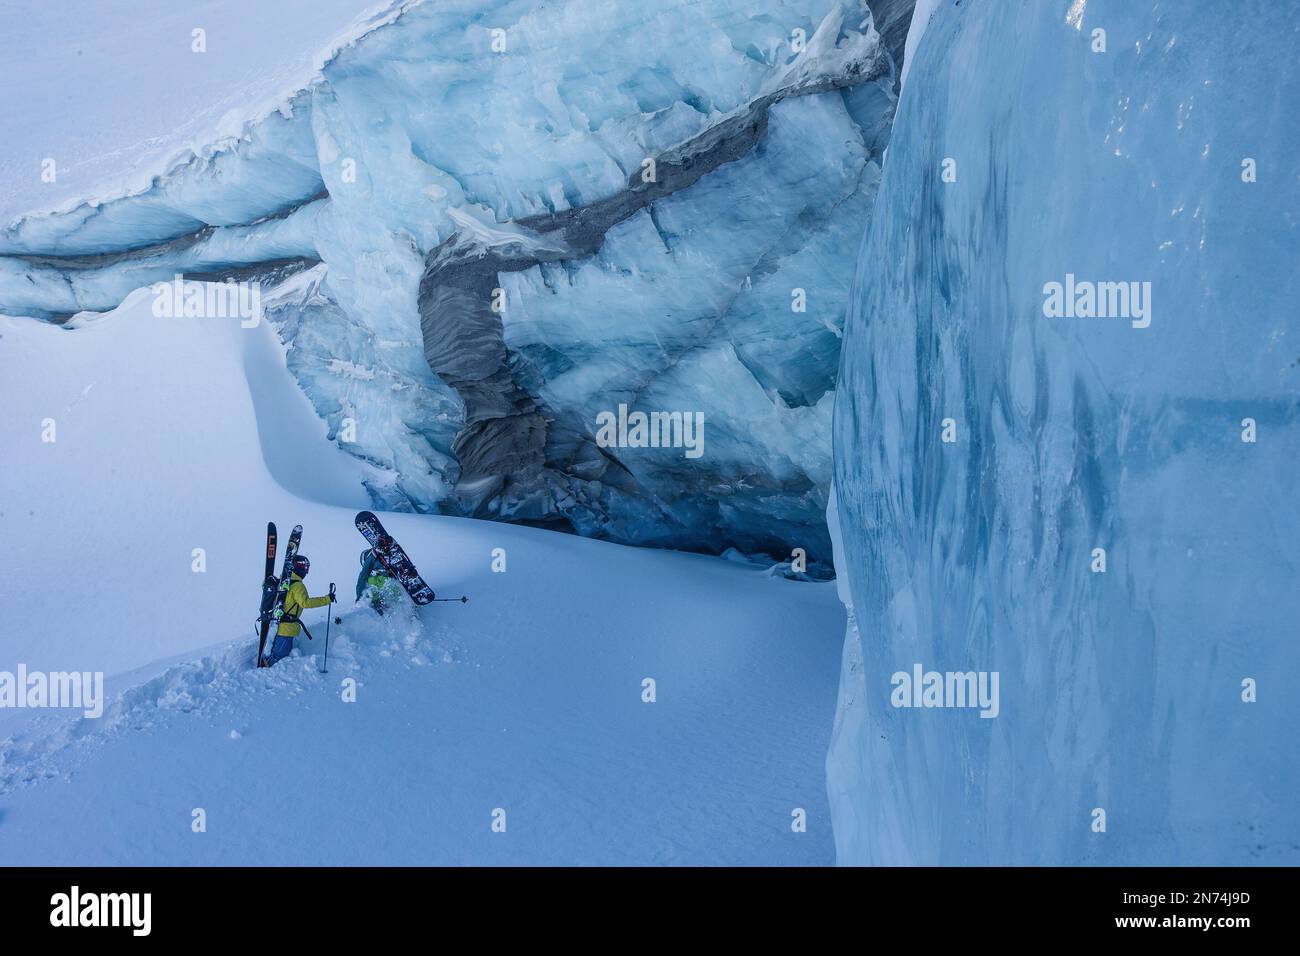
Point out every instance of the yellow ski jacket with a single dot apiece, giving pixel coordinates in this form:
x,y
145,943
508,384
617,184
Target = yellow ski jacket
x,y
295,602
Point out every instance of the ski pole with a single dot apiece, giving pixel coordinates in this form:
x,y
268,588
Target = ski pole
x,y
325,668
462,600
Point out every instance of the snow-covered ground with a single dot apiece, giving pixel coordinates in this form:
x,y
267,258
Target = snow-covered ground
x,y
177,434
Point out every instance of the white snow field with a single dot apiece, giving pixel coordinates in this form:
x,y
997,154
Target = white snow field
x,y
177,434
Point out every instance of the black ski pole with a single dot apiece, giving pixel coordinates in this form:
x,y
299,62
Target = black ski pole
x,y
325,668
460,600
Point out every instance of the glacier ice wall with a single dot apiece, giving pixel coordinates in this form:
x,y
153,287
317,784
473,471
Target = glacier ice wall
x,y
1121,692
466,146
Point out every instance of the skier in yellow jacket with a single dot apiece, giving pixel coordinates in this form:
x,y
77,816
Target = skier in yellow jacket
x,y
295,602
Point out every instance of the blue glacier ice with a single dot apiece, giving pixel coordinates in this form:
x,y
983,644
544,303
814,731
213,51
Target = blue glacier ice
x,y
466,149
1171,157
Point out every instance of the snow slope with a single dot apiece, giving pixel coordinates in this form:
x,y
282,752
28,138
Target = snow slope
x,y
526,699
158,451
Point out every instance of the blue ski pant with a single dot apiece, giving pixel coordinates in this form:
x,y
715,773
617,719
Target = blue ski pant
x,y
281,648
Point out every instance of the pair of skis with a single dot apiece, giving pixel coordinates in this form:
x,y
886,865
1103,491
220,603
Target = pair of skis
x,y
274,590
387,550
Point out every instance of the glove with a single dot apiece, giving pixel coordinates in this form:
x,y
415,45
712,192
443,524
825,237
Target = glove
x,y
333,597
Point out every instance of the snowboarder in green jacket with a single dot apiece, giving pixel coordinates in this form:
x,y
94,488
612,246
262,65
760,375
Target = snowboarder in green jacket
x,y
374,579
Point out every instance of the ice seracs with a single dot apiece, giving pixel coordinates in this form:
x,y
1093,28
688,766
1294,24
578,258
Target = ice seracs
x,y
493,221
1125,686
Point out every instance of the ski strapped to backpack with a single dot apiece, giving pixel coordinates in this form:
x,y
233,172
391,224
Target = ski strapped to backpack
x,y
270,588
286,579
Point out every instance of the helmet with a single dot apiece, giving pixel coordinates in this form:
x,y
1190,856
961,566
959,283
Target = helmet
x,y
301,565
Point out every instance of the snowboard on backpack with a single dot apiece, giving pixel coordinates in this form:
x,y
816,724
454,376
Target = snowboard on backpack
x,y
393,558
270,587
282,589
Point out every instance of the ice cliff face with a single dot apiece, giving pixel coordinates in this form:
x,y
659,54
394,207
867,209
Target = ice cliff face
x,y
1162,441
499,220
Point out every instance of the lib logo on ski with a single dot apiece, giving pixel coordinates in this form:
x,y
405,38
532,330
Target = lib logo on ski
x,y
286,579
270,588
